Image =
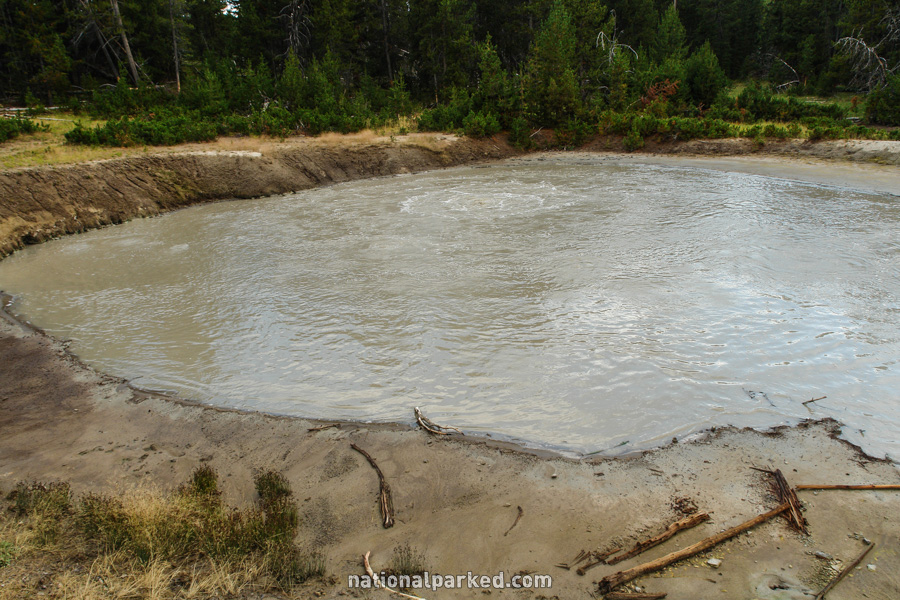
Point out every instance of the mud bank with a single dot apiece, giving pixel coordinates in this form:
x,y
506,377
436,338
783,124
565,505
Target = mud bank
x,y
455,498
37,204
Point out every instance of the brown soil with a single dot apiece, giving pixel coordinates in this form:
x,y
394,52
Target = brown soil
x,y
454,497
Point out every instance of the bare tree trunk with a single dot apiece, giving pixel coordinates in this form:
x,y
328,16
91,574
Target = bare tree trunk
x,y
132,66
175,46
385,25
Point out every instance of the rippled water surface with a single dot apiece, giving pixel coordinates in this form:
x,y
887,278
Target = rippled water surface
x,y
580,306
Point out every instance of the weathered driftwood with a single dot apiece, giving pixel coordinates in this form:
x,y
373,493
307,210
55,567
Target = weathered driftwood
x,y
610,582
656,540
634,596
516,522
387,503
784,493
432,427
849,487
377,582
597,558
843,573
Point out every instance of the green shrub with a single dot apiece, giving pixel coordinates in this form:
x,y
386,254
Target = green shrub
x,y
883,105
10,128
633,141
480,124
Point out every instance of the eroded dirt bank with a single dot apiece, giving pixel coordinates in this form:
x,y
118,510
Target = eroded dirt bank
x,y
455,499
37,204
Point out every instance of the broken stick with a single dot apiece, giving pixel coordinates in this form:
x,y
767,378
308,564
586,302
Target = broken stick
x,y
432,427
516,522
387,503
849,487
671,530
377,582
599,559
814,400
843,573
324,427
624,596
783,493
610,582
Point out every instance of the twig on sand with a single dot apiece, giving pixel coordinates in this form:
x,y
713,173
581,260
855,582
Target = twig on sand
x,y
610,582
516,522
432,427
843,573
624,596
599,558
849,487
783,493
656,540
814,400
387,503
377,582
324,427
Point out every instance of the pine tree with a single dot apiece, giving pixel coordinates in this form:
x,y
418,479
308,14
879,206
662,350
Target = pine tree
x,y
550,88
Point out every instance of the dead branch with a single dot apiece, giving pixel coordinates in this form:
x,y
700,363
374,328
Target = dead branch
x,y
784,493
324,427
432,427
387,503
610,582
814,400
624,596
843,573
599,558
516,522
671,530
377,582
849,487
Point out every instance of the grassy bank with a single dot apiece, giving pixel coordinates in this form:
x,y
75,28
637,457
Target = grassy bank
x,y
143,543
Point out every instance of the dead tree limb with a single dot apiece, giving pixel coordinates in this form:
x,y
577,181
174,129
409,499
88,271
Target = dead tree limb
x,y
610,582
432,427
849,487
376,582
387,503
656,540
516,522
843,573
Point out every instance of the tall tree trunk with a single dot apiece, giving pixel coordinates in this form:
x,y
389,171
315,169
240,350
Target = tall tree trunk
x,y
385,25
132,66
175,46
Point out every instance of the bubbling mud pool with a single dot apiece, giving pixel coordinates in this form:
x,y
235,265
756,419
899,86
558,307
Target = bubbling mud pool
x,y
581,305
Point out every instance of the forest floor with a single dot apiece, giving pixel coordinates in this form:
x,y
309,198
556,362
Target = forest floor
x,y
465,504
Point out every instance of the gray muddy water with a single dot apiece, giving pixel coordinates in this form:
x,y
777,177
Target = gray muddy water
x,y
581,305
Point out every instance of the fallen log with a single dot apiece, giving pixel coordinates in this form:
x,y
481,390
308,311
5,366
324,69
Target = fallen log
x,y
849,487
387,503
610,582
377,582
656,540
432,427
844,573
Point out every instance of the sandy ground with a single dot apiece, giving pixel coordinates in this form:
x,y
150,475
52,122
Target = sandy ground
x,y
456,498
